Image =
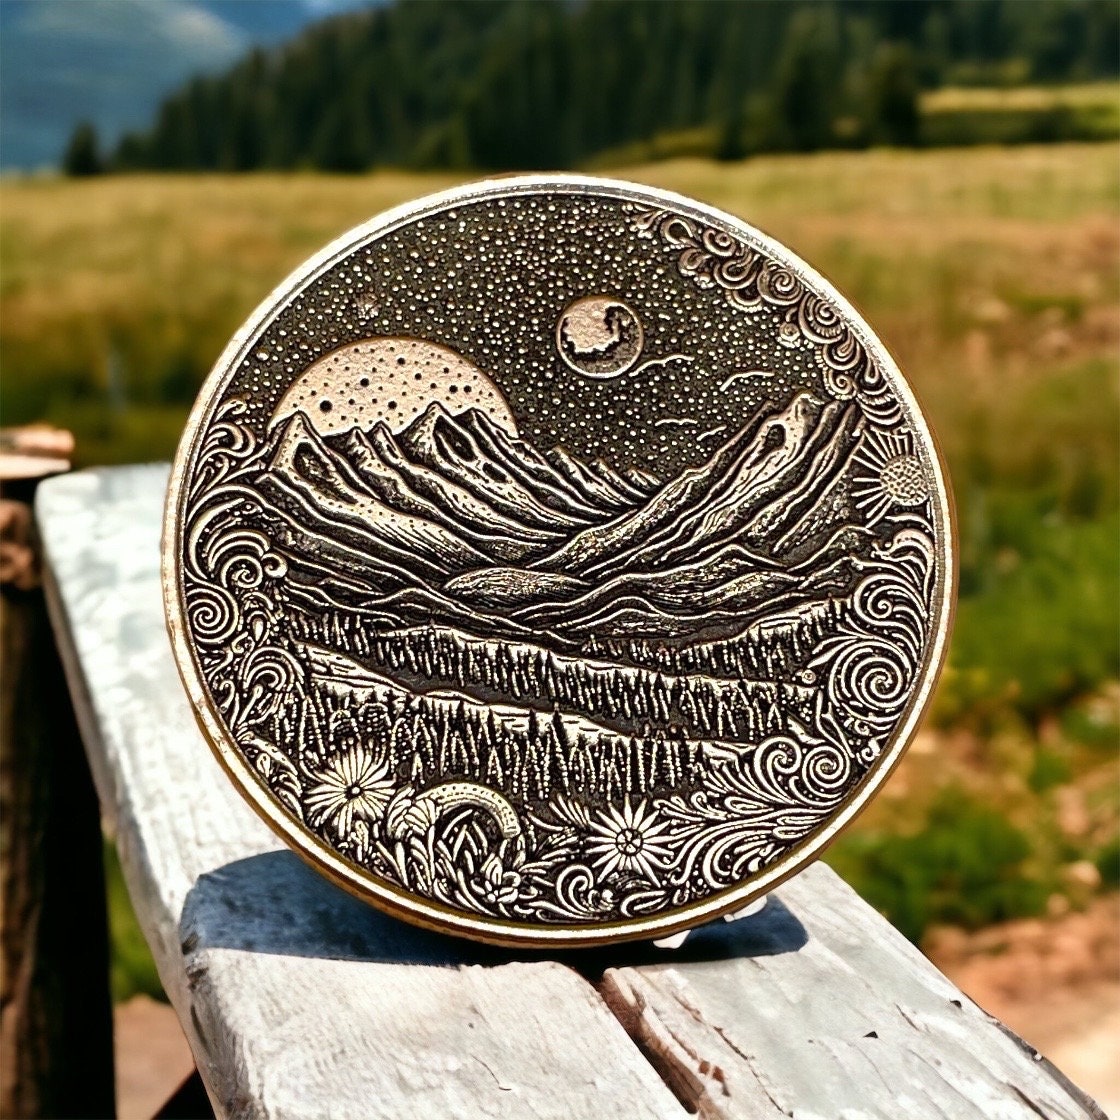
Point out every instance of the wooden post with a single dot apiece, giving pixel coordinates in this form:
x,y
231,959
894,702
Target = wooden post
x,y
56,1036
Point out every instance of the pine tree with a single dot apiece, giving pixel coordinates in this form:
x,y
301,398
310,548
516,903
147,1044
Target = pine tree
x,y
82,157
892,110
731,144
559,730
804,85
518,85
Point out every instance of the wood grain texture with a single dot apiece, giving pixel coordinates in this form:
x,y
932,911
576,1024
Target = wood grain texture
x,y
834,1014
298,1001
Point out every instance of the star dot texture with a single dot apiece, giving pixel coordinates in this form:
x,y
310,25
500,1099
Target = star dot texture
x,y
390,380
490,278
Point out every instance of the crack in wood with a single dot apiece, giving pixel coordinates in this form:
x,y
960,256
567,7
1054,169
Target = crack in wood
x,y
497,1080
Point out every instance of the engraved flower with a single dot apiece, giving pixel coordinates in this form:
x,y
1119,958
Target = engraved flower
x,y
487,882
629,839
351,785
494,884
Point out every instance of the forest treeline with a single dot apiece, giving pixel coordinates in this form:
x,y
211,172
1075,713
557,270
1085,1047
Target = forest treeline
x,y
628,698
430,740
524,84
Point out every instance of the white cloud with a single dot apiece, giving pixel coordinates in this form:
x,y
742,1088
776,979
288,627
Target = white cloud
x,y
184,30
197,29
109,61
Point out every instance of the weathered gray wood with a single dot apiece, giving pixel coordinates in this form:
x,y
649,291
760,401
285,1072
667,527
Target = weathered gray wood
x,y
296,999
834,1014
300,1001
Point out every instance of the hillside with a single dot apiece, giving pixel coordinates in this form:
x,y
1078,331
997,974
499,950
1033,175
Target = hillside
x,y
509,84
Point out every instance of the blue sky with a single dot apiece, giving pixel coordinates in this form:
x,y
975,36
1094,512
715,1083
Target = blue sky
x,y
112,61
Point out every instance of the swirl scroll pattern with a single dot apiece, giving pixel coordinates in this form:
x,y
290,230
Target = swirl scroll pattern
x,y
234,599
499,676
749,281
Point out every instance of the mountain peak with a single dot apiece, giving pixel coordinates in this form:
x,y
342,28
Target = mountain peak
x,y
760,487
296,422
436,418
422,431
294,430
357,440
802,406
435,408
480,418
468,424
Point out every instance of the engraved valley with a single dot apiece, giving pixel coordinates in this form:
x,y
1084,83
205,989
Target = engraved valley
x,y
564,604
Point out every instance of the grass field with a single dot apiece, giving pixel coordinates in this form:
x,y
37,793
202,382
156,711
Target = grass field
x,y
990,273
1095,96
1020,114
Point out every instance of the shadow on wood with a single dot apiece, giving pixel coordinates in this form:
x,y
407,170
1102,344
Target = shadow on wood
x,y
248,905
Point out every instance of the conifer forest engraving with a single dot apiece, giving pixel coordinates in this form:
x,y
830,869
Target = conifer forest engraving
x,y
561,558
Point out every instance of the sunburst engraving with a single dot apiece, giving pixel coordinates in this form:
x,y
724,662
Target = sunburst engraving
x,y
893,475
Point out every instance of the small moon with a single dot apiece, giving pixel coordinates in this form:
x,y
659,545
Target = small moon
x,y
599,337
391,381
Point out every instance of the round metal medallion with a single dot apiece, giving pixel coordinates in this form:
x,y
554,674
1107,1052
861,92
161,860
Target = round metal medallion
x,y
557,560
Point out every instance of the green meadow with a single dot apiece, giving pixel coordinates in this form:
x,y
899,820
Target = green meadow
x,y
991,273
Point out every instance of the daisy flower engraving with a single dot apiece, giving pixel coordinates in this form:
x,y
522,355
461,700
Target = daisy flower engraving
x,y
352,785
629,839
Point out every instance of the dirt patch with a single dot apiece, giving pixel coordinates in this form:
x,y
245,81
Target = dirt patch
x,y
1055,982
152,1056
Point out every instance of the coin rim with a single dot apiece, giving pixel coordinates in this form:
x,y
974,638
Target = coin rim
x,y
364,884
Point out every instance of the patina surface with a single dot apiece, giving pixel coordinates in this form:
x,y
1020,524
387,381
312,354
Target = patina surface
x,y
557,560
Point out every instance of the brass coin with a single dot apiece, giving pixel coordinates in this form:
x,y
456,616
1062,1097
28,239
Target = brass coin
x,y
557,560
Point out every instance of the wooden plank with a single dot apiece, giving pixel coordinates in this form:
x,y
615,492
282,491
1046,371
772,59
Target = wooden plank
x,y
826,1011
34,452
297,1000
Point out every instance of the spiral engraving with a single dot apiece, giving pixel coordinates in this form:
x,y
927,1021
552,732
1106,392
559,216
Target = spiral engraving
x,y
779,287
751,283
539,683
819,320
212,614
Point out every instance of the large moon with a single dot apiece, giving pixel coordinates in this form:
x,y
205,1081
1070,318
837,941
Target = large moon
x,y
391,380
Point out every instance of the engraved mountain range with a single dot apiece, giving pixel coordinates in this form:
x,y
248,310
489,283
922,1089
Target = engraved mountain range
x,y
455,521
